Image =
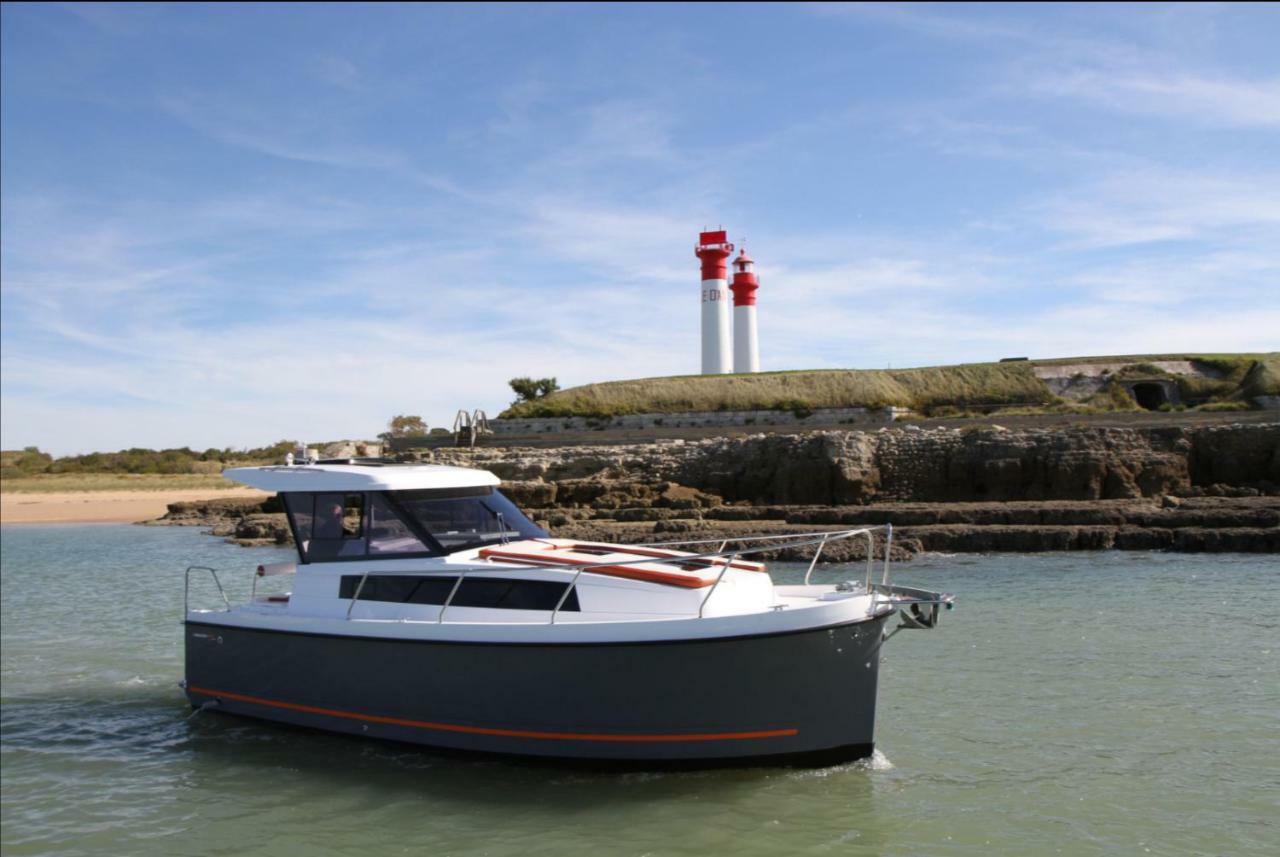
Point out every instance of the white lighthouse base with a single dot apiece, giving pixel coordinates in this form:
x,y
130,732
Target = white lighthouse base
x,y
716,351
746,350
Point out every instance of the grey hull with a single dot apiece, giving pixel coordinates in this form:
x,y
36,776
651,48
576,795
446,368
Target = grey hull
x,y
804,697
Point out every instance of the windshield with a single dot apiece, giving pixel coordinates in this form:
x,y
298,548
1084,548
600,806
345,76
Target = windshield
x,y
459,523
333,527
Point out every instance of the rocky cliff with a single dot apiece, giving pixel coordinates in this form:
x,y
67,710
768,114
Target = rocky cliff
x,y
972,489
940,465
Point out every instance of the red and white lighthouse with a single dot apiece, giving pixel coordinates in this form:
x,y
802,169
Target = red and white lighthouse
x,y
746,348
714,250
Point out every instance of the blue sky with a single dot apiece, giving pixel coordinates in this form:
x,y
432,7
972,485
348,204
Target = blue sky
x,y
226,225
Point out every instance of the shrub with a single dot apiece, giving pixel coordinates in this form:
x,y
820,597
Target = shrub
x,y
1262,379
1113,397
529,390
24,462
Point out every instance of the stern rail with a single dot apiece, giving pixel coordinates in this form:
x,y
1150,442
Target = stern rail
x,y
186,591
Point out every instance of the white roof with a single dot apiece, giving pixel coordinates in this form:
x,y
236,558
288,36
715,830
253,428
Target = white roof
x,y
357,477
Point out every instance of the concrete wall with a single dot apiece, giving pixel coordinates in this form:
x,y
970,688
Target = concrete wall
x,y
699,419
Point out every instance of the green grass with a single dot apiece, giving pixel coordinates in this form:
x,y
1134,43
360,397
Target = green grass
x,y
1264,378
53,483
968,385
931,390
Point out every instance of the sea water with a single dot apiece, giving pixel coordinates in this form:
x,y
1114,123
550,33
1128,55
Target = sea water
x,y
1077,704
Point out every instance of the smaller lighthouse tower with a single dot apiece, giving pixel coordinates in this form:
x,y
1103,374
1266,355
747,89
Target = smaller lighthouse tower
x,y
714,250
746,348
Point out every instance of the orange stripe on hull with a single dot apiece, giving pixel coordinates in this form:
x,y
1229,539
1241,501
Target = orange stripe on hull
x,y
504,733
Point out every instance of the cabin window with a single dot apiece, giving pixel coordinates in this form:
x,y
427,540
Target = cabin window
x,y
301,508
338,517
388,532
475,519
494,593
328,526
332,526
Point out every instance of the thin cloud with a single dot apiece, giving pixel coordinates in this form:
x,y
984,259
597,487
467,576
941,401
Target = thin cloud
x,y
301,140
1159,205
1181,95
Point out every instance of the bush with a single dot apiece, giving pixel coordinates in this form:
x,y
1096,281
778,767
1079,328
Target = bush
x,y
180,460
404,425
1113,397
1141,370
529,390
24,462
1262,379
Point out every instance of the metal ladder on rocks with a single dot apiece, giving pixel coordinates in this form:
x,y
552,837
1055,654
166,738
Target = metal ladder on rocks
x,y
467,427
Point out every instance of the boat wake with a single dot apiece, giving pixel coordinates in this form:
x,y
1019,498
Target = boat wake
x,y
877,762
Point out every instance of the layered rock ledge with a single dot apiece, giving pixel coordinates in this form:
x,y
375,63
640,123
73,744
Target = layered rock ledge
x,y
1202,488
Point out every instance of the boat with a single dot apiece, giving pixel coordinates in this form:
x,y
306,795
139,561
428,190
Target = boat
x,y
425,607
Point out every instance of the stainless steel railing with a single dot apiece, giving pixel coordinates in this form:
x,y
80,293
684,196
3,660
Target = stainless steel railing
x,y
186,592
763,544
264,570
723,556
786,541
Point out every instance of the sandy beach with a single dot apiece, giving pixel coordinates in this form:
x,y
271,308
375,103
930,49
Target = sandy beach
x,y
101,507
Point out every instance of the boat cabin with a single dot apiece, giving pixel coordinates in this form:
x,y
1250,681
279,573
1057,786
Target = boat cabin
x,y
346,512
407,542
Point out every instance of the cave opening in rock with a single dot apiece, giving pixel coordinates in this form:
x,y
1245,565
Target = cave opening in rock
x,y
1150,396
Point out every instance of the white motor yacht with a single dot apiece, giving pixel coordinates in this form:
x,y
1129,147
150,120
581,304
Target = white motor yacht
x,y
425,607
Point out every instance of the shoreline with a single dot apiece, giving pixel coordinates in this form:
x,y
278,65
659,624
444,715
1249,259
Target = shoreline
x,y
106,507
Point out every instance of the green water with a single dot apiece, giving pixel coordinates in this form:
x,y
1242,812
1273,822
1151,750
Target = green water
x,y
1079,704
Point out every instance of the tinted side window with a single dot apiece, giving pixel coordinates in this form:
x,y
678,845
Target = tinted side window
x,y
388,533
513,594
476,592
337,527
401,589
301,509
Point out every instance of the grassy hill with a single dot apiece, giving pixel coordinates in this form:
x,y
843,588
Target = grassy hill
x,y
929,390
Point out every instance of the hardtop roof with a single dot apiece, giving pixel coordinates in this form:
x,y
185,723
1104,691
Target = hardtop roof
x,y
360,477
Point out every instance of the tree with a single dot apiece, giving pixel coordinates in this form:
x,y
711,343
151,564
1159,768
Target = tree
x,y
527,389
404,425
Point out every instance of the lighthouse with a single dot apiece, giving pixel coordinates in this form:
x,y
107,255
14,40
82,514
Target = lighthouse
x,y
714,250
746,347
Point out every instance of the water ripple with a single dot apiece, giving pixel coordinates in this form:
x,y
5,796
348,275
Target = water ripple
x,y
1065,707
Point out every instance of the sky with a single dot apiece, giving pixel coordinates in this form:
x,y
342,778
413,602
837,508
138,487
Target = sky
x,y
227,225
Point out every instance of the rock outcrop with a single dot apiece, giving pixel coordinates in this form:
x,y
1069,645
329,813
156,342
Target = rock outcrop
x,y
1206,488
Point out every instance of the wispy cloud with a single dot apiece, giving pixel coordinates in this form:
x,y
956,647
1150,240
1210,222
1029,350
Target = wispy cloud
x,y
329,236
1156,205
307,137
1175,94
1082,62
339,71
